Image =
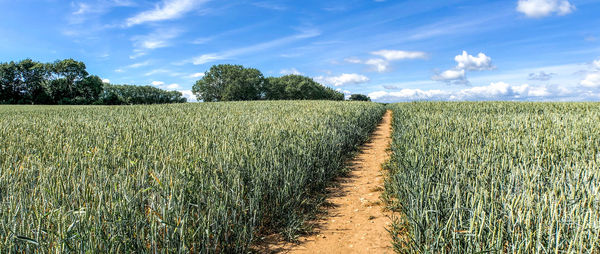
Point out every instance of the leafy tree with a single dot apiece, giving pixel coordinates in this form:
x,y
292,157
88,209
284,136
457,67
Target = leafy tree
x,y
359,97
129,95
10,84
297,87
65,74
34,77
227,82
88,90
68,82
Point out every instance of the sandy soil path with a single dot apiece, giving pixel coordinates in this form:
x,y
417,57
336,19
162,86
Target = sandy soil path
x,y
355,221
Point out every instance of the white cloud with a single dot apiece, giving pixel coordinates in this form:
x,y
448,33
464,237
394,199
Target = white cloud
x,y
452,77
471,63
408,95
207,58
591,80
159,38
394,55
493,91
596,64
353,60
138,65
197,75
156,71
189,95
173,87
464,62
343,79
542,8
346,92
93,9
380,65
162,85
83,8
291,71
169,9
106,81
383,65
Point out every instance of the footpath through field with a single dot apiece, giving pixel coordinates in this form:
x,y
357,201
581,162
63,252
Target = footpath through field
x,y
355,221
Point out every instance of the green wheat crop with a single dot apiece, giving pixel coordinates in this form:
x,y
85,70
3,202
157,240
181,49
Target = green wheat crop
x,y
496,177
199,178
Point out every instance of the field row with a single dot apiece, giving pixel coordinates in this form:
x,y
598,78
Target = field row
x,y
199,178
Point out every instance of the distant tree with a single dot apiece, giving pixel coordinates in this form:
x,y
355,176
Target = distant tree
x,y
130,94
68,82
10,83
227,82
34,76
359,97
88,90
297,87
65,74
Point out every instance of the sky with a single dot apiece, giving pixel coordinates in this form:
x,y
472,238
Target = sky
x,y
393,51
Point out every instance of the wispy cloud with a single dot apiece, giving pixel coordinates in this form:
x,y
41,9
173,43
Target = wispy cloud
x,y
387,56
138,65
166,10
270,5
395,55
211,57
82,11
159,38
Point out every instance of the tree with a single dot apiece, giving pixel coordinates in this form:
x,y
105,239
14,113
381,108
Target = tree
x,y
297,87
359,97
10,84
88,90
129,95
34,76
65,74
68,82
227,82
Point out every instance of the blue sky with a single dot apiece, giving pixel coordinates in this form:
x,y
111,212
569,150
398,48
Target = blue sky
x,y
536,50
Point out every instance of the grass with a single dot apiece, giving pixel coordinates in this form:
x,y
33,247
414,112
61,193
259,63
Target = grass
x,y
495,177
198,178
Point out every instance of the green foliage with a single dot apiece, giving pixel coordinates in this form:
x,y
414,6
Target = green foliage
x,y
296,87
129,95
496,177
228,82
186,178
359,97
235,83
67,82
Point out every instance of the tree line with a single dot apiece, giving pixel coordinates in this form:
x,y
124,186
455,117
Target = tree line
x,y
66,82
228,82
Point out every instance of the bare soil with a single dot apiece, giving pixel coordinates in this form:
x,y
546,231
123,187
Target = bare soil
x,y
355,221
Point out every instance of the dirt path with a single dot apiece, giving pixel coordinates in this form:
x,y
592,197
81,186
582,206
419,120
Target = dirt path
x,y
355,222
